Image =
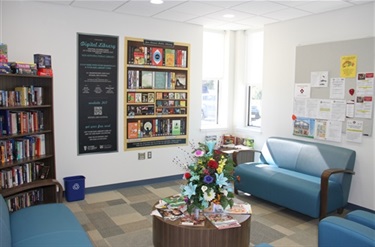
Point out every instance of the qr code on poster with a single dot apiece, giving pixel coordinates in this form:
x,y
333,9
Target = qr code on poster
x,y
98,110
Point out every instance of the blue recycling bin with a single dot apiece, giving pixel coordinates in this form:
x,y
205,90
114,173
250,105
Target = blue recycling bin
x,y
74,188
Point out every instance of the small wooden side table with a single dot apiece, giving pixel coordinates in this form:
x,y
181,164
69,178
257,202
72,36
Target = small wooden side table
x,y
168,233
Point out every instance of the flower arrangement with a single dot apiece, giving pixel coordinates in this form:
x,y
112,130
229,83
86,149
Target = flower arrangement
x,y
209,178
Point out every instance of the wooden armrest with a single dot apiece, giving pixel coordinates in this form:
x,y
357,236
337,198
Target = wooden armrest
x,y
35,185
324,178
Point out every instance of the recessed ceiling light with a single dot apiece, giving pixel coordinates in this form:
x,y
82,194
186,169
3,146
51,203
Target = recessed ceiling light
x,y
228,16
156,1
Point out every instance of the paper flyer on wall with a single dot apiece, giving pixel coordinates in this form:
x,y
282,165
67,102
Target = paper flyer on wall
x,y
302,91
319,79
364,97
348,66
328,130
304,127
354,130
337,88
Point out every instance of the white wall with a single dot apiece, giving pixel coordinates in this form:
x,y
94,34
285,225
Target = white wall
x,y
30,28
279,63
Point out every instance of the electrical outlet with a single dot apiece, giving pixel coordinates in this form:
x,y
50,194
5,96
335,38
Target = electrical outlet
x,y
141,156
149,155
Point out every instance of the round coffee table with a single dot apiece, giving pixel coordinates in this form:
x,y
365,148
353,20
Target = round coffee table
x,y
167,233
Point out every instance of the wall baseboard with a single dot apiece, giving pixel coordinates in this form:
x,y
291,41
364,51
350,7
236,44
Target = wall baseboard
x,y
131,184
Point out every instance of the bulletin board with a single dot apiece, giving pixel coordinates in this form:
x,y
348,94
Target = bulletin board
x,y
328,57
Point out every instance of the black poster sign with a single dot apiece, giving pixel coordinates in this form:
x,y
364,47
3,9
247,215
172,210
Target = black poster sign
x,y
97,93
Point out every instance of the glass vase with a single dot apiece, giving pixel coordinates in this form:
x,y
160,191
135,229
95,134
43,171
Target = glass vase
x,y
196,213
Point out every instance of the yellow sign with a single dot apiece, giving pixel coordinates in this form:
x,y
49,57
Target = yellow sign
x,y
348,66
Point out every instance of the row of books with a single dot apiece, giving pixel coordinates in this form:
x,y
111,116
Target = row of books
x,y
162,103
157,56
149,97
23,147
25,200
22,174
22,96
156,127
20,122
147,79
168,107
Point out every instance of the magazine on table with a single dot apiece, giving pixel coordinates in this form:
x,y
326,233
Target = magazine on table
x,y
239,208
189,220
222,220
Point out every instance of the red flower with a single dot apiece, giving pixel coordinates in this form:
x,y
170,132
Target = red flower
x,y
187,175
212,164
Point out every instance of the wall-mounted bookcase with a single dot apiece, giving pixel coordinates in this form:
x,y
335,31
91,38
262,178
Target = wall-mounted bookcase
x,y
27,148
156,93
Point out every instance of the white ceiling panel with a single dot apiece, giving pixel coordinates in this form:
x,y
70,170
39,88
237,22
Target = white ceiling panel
x,y
259,8
287,14
144,8
98,5
247,14
324,6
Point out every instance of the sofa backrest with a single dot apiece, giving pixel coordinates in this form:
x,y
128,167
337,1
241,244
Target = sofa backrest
x,y
307,157
5,235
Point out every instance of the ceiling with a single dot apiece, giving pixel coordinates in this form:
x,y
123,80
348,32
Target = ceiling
x,y
250,14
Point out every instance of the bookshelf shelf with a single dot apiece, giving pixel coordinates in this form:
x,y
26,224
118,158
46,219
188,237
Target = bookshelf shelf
x,y
156,93
26,139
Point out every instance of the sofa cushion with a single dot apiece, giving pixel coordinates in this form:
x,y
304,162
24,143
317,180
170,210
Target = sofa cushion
x,y
337,231
362,217
5,235
47,225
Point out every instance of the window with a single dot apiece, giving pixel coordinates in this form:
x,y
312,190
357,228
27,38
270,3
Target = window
x,y
210,97
254,98
213,73
254,58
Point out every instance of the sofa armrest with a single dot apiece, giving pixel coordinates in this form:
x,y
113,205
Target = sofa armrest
x,y
36,185
337,231
242,156
324,178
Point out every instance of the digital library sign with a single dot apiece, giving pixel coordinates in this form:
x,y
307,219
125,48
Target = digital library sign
x,y
97,93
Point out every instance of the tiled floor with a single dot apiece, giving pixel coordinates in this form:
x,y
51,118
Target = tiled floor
x,y
121,218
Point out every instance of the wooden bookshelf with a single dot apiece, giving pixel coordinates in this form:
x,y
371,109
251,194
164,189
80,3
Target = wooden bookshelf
x,y
21,144
156,93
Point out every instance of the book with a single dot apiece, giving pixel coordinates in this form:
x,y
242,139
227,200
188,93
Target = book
x,y
180,81
147,79
189,220
139,55
222,221
176,127
24,95
160,79
132,130
43,174
150,97
131,97
156,56
138,97
169,57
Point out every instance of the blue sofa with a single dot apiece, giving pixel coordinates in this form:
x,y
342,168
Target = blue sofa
x,y
356,229
308,177
41,225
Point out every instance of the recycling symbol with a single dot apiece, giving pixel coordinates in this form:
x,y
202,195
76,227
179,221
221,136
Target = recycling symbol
x,y
75,186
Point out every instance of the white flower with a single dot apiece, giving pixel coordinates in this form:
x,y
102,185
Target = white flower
x,y
209,195
204,188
